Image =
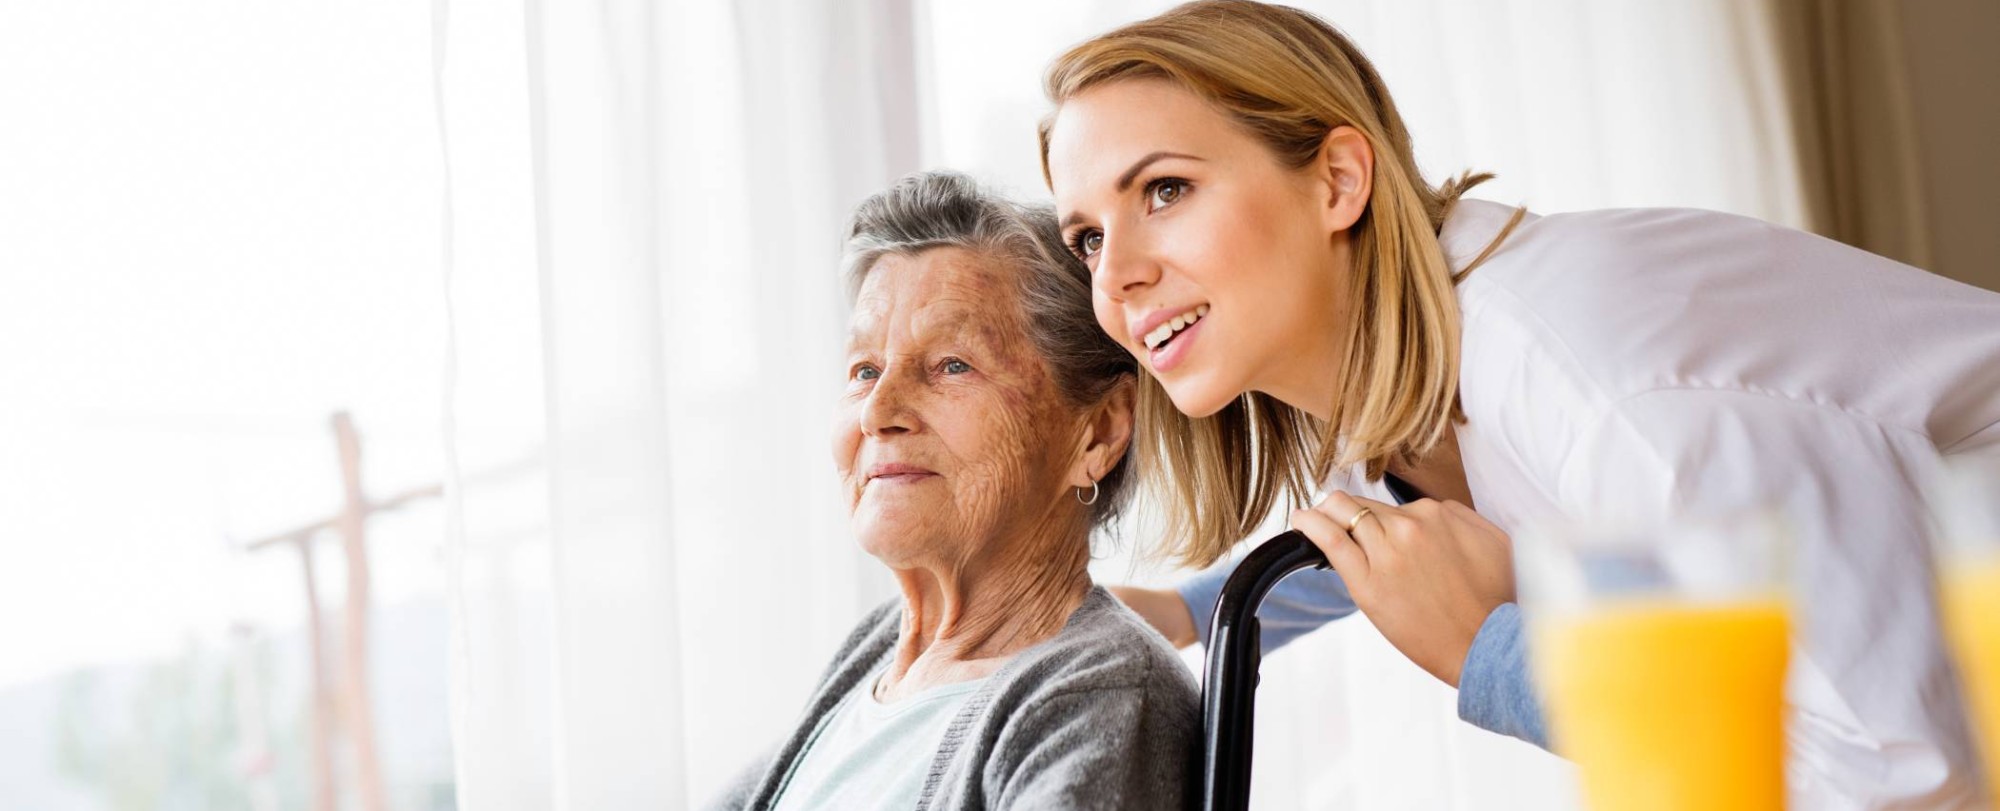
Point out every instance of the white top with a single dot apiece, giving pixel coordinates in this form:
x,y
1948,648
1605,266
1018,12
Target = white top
x,y
874,755
1642,365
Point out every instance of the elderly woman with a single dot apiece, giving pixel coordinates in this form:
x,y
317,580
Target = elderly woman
x,y
982,436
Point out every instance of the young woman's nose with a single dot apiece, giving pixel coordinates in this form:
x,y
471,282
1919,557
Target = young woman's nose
x,y
1125,266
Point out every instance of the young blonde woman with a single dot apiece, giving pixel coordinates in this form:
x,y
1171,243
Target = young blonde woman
x,y
1310,313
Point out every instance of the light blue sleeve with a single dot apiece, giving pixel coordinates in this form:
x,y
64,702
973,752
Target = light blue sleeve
x,y
1298,605
1494,687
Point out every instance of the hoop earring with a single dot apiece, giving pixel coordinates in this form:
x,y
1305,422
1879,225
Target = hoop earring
x,y
1093,495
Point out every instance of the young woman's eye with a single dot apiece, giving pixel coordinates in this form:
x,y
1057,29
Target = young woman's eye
x,y
1086,243
954,366
1165,192
866,372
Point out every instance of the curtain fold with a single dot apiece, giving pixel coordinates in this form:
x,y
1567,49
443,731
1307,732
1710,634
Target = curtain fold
x,y
596,116
1847,91
652,616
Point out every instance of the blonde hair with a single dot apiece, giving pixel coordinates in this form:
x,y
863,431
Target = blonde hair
x,y
1289,79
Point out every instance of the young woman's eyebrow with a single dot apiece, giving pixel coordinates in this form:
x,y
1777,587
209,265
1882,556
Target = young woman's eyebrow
x,y
1131,173
1125,180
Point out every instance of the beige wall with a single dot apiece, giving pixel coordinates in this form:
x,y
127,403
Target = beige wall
x,y
1953,50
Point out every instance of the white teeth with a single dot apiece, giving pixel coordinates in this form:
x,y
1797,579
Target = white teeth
x,y
1166,329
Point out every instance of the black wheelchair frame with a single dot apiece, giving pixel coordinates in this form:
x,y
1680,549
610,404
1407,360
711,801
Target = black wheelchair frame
x,y
1229,682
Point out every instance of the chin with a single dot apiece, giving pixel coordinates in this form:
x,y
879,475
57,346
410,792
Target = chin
x,y
894,543
891,551
1197,396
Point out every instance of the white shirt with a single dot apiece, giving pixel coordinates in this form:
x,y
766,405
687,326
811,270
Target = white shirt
x,y
874,755
1645,365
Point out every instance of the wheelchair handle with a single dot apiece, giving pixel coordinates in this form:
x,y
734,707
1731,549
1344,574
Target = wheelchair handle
x,y
1229,684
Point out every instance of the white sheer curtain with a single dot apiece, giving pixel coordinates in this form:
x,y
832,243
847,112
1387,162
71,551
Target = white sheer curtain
x,y
660,233
644,304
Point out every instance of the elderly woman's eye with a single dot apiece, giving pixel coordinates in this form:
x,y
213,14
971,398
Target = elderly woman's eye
x,y
1165,192
865,372
954,366
1086,243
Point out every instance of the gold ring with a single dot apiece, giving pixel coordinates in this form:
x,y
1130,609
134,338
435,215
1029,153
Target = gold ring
x,y
1356,520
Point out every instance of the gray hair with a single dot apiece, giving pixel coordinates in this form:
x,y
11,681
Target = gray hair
x,y
940,209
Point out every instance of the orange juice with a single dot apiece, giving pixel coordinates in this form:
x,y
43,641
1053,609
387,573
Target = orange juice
x,y
1669,706
1971,603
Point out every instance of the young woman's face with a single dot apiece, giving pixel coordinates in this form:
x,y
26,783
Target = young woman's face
x,y
1211,262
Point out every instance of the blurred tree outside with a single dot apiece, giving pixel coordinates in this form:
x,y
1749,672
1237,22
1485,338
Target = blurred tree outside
x,y
180,742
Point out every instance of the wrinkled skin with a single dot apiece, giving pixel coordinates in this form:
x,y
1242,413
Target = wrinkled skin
x,y
986,538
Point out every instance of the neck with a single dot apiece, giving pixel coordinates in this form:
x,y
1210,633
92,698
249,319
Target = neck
x,y
963,619
1301,380
1439,474
1303,376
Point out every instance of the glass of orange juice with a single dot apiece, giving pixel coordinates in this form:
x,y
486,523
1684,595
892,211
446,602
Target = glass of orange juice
x,y
1967,504
1660,654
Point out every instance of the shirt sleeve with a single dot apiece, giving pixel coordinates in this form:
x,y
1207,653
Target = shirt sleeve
x,y
1297,606
1494,689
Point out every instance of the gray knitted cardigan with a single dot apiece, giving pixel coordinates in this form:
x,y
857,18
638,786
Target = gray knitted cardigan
x,y
1102,715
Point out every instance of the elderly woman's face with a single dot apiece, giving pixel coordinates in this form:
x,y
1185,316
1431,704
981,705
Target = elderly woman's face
x,y
950,432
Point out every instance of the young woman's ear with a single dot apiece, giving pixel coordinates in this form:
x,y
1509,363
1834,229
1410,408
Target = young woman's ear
x,y
1346,168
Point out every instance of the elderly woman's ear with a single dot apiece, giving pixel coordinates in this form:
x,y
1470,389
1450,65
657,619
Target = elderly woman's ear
x,y
1107,434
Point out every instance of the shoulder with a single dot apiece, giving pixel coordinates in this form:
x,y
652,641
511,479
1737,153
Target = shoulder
x,y
1542,245
1620,299
1103,715
1104,647
1599,306
1668,285
1106,670
1575,317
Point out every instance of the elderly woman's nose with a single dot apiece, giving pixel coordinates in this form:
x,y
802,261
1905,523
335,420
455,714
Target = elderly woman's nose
x,y
888,408
1125,266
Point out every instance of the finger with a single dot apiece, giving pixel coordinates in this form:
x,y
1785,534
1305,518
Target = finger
x,y
1370,529
1378,506
1347,557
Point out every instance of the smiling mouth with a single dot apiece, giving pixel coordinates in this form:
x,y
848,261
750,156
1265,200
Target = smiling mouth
x,y
1164,333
